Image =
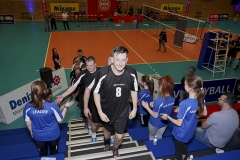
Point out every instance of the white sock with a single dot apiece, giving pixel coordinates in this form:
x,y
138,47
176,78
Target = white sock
x,y
89,127
94,135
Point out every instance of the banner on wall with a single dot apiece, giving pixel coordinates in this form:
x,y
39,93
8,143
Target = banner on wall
x,y
104,5
12,103
213,88
6,19
213,17
172,7
44,7
223,17
69,7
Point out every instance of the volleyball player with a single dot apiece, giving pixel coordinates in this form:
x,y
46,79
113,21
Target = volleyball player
x,y
89,109
111,94
189,112
81,81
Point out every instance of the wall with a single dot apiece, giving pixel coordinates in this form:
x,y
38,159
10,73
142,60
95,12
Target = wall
x,y
34,7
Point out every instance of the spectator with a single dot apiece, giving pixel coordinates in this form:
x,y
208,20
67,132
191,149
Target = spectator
x,y
219,127
53,22
65,19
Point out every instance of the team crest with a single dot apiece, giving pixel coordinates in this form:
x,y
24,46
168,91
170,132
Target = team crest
x,y
56,80
104,5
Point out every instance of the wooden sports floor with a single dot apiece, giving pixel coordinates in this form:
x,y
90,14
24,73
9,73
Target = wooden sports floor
x,y
26,47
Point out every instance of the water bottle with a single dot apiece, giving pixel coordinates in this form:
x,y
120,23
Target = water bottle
x,y
155,140
111,140
190,158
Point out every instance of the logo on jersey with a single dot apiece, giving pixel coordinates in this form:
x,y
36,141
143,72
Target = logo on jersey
x,y
104,5
56,80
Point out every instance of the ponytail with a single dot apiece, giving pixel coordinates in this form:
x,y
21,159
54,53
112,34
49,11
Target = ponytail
x,y
200,98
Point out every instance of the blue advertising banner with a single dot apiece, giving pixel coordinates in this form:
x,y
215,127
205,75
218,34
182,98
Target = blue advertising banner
x,y
6,19
214,89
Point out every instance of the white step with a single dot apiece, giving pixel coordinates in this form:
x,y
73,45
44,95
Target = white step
x,y
134,155
88,139
106,154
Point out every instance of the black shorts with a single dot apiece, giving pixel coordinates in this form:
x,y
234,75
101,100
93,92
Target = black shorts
x,y
119,124
95,116
232,53
181,149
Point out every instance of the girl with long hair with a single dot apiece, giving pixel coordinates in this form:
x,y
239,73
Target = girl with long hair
x,y
161,105
42,118
190,110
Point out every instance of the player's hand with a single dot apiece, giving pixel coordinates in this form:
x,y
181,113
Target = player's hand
x,y
164,116
69,103
59,99
151,104
87,112
176,110
103,117
145,104
132,114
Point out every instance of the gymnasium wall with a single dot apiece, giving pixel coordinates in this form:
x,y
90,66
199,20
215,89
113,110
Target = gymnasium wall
x,y
34,7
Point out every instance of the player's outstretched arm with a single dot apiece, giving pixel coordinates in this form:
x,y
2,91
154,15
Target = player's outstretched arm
x,y
69,91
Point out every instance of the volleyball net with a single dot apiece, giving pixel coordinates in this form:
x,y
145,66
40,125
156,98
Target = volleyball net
x,y
170,20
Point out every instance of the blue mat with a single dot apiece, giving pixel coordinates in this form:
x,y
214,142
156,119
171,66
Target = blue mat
x,y
57,156
165,147
141,134
17,143
232,155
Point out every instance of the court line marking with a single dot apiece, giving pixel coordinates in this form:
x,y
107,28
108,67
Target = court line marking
x,y
47,49
135,51
166,46
164,62
128,46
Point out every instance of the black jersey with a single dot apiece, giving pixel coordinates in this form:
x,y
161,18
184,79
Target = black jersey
x,y
79,82
115,90
90,81
163,35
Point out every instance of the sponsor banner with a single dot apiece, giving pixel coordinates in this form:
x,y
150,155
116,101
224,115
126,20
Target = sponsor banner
x,y
104,5
189,38
223,17
69,7
213,17
187,7
155,79
6,19
214,89
12,103
172,7
44,7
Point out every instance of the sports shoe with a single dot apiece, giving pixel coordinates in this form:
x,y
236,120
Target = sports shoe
x,y
218,150
106,148
89,132
94,140
115,153
229,65
85,126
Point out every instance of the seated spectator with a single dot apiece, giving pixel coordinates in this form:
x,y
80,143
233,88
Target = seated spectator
x,y
119,9
220,126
